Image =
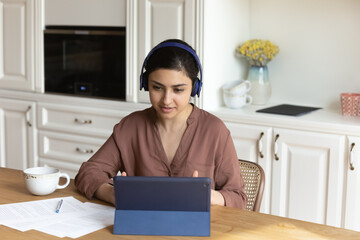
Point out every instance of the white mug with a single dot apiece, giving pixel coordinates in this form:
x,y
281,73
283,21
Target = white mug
x,y
237,101
237,87
44,180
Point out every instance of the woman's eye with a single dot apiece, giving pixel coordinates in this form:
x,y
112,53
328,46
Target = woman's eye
x,y
156,87
178,90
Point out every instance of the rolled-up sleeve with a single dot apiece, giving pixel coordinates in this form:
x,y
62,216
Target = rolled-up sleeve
x,y
228,178
99,169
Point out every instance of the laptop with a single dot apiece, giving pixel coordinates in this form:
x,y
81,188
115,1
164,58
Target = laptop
x,y
170,206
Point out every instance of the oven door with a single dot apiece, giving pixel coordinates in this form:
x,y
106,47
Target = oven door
x,y
86,62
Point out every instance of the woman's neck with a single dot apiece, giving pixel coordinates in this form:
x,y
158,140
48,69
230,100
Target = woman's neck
x,y
176,124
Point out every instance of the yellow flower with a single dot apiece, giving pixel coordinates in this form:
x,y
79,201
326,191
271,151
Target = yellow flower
x,y
258,52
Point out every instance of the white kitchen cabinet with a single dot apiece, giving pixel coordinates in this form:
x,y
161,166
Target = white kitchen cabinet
x,y
304,170
70,135
94,122
18,142
253,143
352,200
82,13
159,20
308,176
66,151
17,48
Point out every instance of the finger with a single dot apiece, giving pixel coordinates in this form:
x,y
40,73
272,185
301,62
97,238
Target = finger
x,y
195,173
123,174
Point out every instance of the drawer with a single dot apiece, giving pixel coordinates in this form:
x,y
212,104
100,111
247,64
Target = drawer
x,y
82,120
66,147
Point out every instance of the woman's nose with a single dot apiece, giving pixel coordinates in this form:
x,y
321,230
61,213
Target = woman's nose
x,y
167,98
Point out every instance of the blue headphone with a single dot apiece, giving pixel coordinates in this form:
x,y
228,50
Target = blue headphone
x,y
197,82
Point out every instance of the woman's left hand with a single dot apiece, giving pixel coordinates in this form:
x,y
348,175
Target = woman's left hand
x,y
216,197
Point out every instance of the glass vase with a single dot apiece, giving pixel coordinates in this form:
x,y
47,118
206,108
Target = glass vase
x,y
260,86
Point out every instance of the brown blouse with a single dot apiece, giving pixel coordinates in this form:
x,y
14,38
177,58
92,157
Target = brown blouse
x,y
135,147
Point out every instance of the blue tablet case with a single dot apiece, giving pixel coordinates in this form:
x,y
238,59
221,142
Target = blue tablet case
x,y
171,206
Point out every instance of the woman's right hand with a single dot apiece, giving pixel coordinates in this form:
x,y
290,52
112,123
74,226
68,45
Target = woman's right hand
x,y
106,192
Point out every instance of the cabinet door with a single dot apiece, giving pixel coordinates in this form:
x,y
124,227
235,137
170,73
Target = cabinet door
x,y
308,176
66,151
160,20
17,48
17,134
352,200
252,143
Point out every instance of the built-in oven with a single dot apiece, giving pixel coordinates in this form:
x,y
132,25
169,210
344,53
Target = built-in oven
x,y
85,61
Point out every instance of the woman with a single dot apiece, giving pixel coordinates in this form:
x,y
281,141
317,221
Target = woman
x,y
171,138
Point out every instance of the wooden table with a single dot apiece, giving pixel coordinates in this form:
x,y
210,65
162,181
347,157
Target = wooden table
x,y
226,223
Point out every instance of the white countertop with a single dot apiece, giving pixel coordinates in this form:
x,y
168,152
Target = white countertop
x,y
322,120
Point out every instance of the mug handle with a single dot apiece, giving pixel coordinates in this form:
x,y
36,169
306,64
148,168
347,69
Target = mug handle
x,y
248,85
65,175
248,99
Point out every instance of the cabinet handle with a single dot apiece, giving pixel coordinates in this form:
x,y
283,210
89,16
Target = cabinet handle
x,y
276,147
80,150
82,121
260,145
27,116
350,158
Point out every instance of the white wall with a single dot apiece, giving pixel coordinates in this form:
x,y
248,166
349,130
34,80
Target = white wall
x,y
319,43
226,26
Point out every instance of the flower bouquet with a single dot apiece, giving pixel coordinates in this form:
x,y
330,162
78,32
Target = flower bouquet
x,y
257,51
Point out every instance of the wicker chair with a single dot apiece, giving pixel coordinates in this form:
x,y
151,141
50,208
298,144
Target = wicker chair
x,y
254,178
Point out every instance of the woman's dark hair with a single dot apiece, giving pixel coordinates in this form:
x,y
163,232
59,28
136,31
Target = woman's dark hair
x,y
173,58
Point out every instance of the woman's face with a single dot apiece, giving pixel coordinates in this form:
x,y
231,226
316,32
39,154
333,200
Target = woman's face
x,y
169,92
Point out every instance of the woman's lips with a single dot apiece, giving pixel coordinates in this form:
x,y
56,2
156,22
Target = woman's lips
x,y
167,109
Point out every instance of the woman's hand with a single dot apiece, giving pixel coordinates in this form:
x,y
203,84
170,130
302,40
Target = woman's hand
x,y
216,197
106,192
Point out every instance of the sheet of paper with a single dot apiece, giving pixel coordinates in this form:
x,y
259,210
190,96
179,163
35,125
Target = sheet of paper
x,y
33,210
70,208
75,218
97,217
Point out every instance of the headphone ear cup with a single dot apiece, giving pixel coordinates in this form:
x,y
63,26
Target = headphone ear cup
x,y
195,87
145,82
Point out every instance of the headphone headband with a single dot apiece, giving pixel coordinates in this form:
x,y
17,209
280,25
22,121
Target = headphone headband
x,y
173,44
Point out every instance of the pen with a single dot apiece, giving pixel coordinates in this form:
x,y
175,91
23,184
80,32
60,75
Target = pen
x,y
59,206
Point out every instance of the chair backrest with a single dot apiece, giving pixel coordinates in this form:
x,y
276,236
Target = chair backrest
x,y
254,178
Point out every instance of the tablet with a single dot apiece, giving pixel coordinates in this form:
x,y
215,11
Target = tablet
x,y
173,206
288,109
